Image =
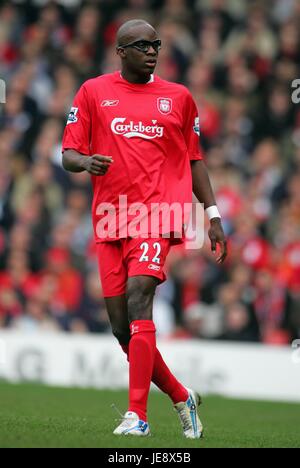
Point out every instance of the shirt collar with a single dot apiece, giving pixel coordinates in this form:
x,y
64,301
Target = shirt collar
x,y
148,82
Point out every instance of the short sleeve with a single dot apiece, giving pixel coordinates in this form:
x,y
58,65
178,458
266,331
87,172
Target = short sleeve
x,y
191,129
78,127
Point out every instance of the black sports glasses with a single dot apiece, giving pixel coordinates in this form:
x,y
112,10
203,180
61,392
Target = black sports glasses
x,y
143,46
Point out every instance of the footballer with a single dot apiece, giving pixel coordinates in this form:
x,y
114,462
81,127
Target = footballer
x,y
137,135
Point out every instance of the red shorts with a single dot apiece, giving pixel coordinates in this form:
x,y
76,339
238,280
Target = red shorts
x,y
123,258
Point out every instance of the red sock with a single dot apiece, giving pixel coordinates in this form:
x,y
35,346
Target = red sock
x,y
166,381
142,348
163,378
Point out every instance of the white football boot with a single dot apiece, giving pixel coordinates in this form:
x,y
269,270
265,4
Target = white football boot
x,y
132,425
187,412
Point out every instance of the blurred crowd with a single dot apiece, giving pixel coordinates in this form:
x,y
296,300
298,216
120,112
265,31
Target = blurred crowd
x,y
238,58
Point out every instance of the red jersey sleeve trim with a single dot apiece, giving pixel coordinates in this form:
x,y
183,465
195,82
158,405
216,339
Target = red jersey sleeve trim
x,y
196,157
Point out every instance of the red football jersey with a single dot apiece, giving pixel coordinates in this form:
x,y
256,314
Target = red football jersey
x,y
150,130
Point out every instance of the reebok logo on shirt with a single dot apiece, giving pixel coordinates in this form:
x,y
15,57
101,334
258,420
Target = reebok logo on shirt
x,y
132,129
109,103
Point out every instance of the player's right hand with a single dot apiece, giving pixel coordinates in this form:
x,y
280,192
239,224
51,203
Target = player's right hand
x,y
98,164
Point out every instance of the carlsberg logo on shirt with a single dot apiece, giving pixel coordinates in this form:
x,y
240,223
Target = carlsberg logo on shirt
x,y
136,129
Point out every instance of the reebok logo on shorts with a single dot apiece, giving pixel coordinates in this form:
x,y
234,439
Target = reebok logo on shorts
x,y
154,267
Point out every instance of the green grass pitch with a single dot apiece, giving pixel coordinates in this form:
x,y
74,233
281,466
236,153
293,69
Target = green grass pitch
x,y
37,416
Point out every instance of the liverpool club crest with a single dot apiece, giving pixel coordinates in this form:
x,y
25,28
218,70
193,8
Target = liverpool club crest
x,y
164,105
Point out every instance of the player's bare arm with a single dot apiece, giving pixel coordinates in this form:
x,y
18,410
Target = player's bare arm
x,y
204,193
96,164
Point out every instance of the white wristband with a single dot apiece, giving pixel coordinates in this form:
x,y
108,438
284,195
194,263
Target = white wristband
x,y
213,212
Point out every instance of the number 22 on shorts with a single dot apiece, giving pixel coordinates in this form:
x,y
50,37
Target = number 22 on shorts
x,y
145,247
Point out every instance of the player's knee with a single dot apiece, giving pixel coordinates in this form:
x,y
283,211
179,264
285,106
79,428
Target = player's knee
x,y
123,336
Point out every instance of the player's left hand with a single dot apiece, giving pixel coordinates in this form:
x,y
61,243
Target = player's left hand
x,y
217,236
